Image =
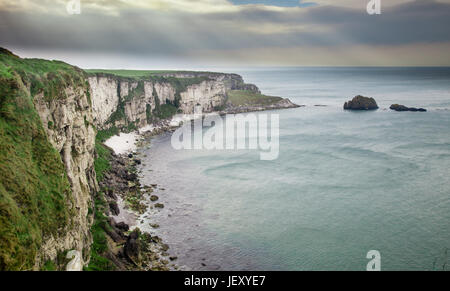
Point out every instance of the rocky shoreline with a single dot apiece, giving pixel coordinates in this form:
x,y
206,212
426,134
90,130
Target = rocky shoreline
x,y
129,248
127,199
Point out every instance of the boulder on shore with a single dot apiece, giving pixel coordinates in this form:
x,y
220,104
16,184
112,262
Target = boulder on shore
x,y
361,103
132,247
114,208
398,107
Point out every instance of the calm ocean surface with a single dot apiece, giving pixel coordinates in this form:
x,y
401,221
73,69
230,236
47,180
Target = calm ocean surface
x,y
344,183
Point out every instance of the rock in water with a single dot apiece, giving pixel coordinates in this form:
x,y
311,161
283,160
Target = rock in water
x,y
361,103
398,107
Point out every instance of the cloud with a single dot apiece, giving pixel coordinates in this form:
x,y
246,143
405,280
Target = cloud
x,y
281,3
360,4
217,30
116,6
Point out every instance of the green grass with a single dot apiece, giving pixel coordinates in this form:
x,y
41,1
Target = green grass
x,y
49,266
34,189
101,163
103,154
139,74
100,243
103,135
99,246
42,76
249,98
166,111
129,73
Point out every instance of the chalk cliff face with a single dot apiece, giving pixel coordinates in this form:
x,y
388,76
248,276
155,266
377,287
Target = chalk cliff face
x,y
106,98
208,94
120,101
51,112
68,124
47,163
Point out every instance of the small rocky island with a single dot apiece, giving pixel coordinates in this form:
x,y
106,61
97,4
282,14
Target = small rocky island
x,y
398,107
361,103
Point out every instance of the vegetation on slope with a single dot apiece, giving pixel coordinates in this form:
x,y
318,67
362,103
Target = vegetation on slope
x,y
34,188
101,162
139,74
250,98
42,76
129,73
99,246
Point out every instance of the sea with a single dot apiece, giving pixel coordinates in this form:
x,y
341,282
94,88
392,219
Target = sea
x,y
344,183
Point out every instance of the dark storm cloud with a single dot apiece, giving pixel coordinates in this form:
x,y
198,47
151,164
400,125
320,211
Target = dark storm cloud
x,y
174,33
281,3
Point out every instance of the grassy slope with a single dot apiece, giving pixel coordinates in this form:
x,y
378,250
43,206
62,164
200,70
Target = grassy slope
x,y
129,73
248,98
99,246
139,73
33,185
49,77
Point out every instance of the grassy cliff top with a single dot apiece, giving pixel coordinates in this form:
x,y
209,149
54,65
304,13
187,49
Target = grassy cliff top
x,y
249,98
10,62
42,76
130,73
139,74
34,187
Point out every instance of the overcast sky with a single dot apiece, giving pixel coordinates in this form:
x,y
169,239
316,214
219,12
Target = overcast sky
x,y
154,34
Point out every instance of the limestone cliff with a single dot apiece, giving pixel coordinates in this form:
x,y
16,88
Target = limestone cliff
x,y
68,124
47,144
49,116
135,102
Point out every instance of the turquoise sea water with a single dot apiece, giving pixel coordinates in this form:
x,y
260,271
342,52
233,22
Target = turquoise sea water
x,y
344,183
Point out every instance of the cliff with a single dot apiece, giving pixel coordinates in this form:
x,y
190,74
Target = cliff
x,y
46,159
68,124
53,119
124,100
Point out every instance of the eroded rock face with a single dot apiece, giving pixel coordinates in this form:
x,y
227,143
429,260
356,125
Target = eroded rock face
x,y
361,103
207,94
110,93
105,97
68,124
398,107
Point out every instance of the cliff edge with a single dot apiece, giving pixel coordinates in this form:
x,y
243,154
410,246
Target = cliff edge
x,y
46,159
53,120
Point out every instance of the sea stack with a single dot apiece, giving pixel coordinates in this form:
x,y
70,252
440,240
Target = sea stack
x,y
398,107
361,103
